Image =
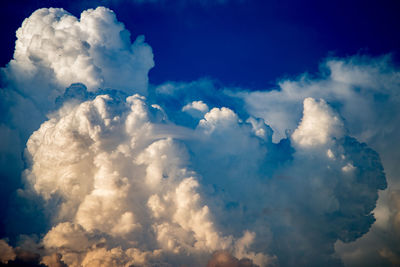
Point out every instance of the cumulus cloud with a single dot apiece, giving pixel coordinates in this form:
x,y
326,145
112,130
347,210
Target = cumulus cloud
x,y
365,92
196,109
190,173
91,50
225,259
53,50
131,191
6,252
318,125
117,179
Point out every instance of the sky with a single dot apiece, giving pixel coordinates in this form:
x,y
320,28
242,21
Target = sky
x,y
199,133
250,44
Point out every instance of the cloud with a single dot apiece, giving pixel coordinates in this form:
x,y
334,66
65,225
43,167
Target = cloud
x,y
365,92
196,109
6,252
53,50
318,125
224,259
131,191
359,87
115,176
55,45
118,172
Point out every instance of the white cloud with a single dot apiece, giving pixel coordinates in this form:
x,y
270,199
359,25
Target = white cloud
x,y
218,120
319,124
117,178
196,108
53,50
364,90
56,46
131,180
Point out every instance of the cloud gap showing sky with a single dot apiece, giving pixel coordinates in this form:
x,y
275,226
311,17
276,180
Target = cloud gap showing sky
x,y
101,167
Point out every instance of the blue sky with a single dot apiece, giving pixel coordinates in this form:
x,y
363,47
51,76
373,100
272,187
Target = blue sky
x,y
250,44
199,133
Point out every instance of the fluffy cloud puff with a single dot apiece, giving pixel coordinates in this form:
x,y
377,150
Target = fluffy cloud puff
x,y
91,50
6,252
54,49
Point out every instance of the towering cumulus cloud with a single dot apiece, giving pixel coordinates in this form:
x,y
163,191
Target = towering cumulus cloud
x,y
53,50
126,192
119,173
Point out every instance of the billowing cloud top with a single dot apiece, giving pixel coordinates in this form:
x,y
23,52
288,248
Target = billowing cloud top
x,y
55,46
122,173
